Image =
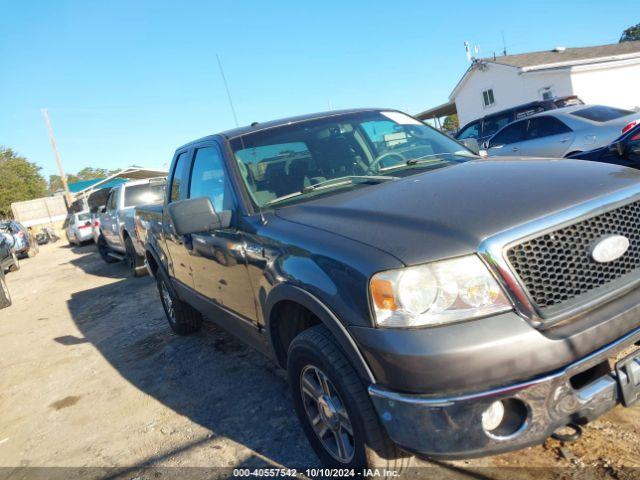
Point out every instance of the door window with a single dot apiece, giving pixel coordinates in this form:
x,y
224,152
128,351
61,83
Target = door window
x,y
540,127
493,124
208,179
111,201
177,184
510,134
470,131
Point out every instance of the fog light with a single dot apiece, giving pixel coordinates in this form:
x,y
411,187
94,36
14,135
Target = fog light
x,y
492,417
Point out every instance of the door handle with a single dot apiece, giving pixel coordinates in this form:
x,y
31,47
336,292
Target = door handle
x,y
564,140
515,149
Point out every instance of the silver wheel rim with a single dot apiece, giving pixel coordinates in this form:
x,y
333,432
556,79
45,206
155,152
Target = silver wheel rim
x,y
168,302
327,414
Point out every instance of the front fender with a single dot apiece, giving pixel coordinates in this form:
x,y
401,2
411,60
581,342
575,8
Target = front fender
x,y
286,291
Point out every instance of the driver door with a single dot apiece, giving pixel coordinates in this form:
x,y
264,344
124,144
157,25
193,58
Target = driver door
x,y
217,257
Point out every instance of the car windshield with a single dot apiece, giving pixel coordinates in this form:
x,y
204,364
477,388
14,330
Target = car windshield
x,y
295,161
143,194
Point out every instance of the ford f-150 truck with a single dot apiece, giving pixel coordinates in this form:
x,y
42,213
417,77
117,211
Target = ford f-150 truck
x,y
116,239
423,300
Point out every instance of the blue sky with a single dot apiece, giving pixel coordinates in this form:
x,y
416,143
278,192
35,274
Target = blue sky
x,y
126,82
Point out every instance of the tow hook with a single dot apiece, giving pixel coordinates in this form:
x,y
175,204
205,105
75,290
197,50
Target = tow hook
x,y
561,434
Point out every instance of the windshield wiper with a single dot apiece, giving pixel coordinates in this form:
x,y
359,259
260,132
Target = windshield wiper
x,y
429,159
333,182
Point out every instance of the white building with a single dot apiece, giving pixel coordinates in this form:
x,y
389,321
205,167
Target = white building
x,y
606,74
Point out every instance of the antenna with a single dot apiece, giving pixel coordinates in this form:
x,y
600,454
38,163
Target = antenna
x,y
466,49
226,87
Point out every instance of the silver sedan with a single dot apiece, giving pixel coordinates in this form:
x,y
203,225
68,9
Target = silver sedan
x,y
562,132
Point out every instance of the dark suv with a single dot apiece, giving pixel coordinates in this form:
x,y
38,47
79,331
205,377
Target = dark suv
x,y
422,299
484,128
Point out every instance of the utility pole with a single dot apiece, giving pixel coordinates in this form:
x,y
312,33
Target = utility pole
x,y
63,177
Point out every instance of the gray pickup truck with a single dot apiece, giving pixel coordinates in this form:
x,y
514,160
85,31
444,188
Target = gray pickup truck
x,y
422,299
117,239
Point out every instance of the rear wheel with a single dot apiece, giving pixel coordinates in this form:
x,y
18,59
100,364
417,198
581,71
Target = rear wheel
x,y
134,262
104,250
183,318
5,298
334,408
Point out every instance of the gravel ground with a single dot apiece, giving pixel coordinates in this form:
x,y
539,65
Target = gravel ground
x,y
93,379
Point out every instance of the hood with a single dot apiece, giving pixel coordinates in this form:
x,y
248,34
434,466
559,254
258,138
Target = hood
x,y
450,211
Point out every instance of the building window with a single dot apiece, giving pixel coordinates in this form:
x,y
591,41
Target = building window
x,y
487,97
546,93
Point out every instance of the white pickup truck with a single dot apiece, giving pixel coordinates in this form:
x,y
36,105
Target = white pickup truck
x,y
117,238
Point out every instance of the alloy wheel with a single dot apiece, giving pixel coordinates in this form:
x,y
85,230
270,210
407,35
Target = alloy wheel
x,y
327,414
168,302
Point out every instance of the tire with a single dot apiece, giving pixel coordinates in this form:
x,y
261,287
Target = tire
x,y
183,318
134,262
5,298
103,250
15,266
315,350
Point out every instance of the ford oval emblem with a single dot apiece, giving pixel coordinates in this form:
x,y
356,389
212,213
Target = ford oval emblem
x,y
609,248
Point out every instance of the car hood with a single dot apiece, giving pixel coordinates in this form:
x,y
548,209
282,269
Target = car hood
x,y
450,211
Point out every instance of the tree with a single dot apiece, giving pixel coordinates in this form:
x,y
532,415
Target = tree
x,y
19,180
631,34
451,123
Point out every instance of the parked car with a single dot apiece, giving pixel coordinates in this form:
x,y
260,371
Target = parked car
x,y
625,150
95,230
78,228
484,128
8,258
117,240
25,243
421,299
562,132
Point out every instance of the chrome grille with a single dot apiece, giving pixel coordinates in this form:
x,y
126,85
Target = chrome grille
x,y
557,269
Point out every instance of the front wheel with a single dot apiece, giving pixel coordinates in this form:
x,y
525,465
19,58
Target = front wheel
x,y
103,250
334,408
183,318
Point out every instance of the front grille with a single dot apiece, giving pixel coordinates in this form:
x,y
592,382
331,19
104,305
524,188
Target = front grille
x,y
557,268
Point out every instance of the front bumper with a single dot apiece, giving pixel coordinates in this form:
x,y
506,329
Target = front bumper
x,y
451,427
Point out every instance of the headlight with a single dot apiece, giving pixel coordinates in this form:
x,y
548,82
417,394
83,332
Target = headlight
x,y
436,293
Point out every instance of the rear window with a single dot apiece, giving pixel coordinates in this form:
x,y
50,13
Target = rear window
x,y
143,194
83,217
600,113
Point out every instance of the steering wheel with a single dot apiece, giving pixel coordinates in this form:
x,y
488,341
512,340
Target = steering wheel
x,y
378,159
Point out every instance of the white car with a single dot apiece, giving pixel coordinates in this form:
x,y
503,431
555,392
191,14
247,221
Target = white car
x,y
562,132
78,227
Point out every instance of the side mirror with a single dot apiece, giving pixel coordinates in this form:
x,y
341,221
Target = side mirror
x,y
472,144
103,209
197,215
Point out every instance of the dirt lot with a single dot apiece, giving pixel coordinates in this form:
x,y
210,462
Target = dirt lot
x,y
92,376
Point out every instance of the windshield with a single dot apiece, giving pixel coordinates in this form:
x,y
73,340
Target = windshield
x,y
143,194
287,161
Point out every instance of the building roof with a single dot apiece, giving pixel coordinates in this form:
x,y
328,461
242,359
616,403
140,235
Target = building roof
x,y
568,55
443,110
76,187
